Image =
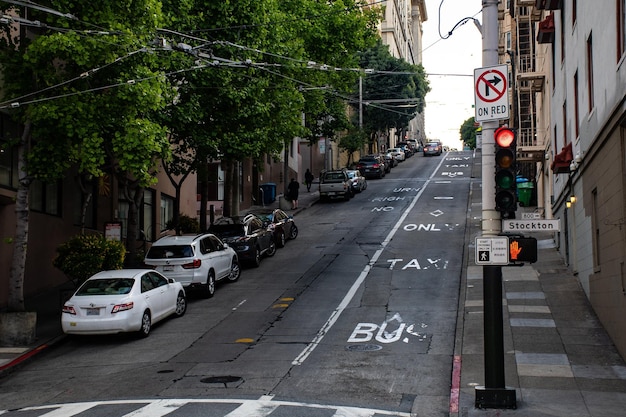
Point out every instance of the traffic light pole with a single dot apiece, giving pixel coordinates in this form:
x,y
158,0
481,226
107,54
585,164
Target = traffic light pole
x,y
494,394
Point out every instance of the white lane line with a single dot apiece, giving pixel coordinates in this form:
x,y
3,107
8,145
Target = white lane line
x,y
334,316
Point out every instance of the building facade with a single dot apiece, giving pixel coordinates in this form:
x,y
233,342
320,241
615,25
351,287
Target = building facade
x,y
571,120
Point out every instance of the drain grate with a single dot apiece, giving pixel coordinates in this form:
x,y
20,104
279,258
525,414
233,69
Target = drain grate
x,y
363,348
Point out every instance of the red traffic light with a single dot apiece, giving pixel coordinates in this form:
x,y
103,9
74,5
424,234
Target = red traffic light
x,y
504,137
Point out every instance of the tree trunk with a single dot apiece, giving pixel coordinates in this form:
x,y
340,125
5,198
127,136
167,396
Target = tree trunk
x,y
20,242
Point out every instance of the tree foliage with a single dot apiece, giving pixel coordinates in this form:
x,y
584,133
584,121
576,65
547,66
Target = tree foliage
x,y
392,79
468,133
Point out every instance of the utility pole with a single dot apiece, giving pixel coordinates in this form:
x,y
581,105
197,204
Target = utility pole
x,y
494,393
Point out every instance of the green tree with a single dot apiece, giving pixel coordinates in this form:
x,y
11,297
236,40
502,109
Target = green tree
x,y
392,79
468,132
85,98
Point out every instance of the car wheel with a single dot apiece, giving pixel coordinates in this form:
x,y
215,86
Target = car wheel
x,y
256,262
209,287
293,233
364,185
271,251
235,270
146,324
281,239
181,304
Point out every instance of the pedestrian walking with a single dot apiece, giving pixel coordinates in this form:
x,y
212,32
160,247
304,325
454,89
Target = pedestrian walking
x,y
292,189
308,179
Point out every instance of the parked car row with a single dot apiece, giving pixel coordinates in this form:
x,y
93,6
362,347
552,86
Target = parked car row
x,y
132,300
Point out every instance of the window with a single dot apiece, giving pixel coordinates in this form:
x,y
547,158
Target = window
x,y
595,219
167,210
565,123
576,120
8,168
147,215
45,198
620,6
590,72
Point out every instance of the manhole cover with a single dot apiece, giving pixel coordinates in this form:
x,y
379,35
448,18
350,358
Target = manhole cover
x,y
363,348
227,379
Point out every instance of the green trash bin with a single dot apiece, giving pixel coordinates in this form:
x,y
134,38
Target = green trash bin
x,y
524,193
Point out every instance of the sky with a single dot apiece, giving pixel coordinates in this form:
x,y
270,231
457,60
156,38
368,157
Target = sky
x,y
450,65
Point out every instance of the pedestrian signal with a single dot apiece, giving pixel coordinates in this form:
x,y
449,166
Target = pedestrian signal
x,y
522,249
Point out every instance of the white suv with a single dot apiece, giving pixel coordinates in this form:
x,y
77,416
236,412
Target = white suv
x,y
196,261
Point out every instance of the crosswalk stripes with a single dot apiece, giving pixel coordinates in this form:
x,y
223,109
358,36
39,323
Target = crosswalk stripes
x,y
262,407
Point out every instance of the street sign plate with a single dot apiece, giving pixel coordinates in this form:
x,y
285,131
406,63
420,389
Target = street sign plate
x,y
491,99
531,216
492,250
530,226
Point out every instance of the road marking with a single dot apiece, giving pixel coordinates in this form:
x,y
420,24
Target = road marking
x,y
261,407
334,316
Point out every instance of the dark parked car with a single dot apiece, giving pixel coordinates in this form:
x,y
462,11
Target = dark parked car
x,y
248,237
280,223
371,166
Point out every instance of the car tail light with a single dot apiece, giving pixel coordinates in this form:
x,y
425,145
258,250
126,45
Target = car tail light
x,y
69,310
193,265
122,307
375,166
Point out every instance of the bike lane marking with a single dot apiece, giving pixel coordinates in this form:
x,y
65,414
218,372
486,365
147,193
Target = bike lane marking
x,y
334,316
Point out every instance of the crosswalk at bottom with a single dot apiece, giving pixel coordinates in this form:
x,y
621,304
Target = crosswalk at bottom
x,y
262,407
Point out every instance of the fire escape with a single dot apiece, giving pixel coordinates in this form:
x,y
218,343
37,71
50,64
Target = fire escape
x,y
529,80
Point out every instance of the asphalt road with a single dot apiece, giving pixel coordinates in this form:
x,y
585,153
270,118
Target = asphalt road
x,y
359,312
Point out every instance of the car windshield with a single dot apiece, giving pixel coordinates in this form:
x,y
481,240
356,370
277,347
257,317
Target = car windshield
x,y
170,251
333,177
228,230
351,174
106,286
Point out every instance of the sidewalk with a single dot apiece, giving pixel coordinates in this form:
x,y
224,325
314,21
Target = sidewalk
x,y
48,305
558,359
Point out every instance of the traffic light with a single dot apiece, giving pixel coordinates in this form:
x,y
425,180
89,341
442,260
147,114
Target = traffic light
x,y
506,187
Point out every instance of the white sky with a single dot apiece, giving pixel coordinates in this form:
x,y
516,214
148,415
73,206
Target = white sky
x,y
451,98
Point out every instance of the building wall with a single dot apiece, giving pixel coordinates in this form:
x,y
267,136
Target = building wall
x,y
592,238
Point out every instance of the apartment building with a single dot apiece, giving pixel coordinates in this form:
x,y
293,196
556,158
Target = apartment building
x,y
568,93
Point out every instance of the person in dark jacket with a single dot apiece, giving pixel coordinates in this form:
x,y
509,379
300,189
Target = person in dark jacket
x,y
292,189
308,179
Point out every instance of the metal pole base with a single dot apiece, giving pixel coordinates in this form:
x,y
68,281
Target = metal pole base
x,y
495,398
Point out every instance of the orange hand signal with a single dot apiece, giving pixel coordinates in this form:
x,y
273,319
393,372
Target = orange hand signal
x,y
514,250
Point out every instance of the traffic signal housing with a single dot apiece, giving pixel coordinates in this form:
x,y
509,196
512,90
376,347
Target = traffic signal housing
x,y
506,172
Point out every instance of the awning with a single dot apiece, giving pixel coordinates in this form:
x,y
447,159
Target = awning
x,y
545,34
562,160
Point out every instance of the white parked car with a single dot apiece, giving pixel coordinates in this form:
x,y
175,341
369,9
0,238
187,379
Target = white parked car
x,y
196,261
124,300
398,154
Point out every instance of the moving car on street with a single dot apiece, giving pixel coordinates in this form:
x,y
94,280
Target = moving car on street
x,y
124,300
433,148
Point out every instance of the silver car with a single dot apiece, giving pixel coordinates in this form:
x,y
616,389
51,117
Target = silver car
x,y
358,182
